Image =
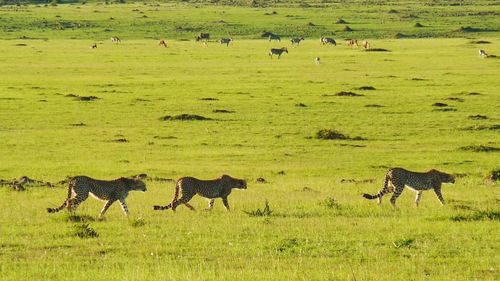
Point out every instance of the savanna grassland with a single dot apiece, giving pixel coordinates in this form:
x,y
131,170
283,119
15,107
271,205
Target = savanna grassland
x,y
428,101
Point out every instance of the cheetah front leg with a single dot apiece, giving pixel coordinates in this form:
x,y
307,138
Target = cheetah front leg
x,y
226,204
417,198
124,206
210,204
105,208
437,190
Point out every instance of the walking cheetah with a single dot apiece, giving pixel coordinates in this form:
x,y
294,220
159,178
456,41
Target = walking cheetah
x,y
109,191
397,178
211,189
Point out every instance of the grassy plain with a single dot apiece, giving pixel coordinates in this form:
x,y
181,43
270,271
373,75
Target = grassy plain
x,y
309,235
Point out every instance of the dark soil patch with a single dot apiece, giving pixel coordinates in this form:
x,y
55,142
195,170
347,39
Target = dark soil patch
x,y
347,28
79,124
21,45
120,140
480,148
483,128
392,11
418,79
357,181
400,35
376,50
185,117
474,94
23,182
329,134
439,104
347,94
222,111
480,42
418,25
341,21
478,117
209,99
445,109
455,99
311,24
366,88
469,29
300,105
374,105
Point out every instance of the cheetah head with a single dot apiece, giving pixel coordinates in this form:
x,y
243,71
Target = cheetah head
x,y
136,184
444,177
234,182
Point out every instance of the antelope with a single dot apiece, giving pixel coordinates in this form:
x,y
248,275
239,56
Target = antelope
x,y
296,41
277,52
225,41
366,44
163,43
352,42
115,40
327,40
203,36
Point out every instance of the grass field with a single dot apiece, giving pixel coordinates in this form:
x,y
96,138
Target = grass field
x,y
320,227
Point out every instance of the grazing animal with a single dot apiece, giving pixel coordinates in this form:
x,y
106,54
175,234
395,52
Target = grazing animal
x,y
277,52
203,36
211,189
483,54
115,40
296,41
317,60
225,41
94,46
327,40
163,43
274,37
397,178
109,191
366,44
352,42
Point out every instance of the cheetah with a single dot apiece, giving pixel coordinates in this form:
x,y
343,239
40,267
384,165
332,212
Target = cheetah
x,y
211,189
397,178
109,191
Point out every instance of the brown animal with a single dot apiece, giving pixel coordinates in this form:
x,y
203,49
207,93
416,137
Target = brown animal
x,y
352,42
366,44
94,46
163,43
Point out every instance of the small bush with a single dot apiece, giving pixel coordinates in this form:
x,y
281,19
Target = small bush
x,y
439,104
347,94
347,28
366,88
341,21
478,216
287,245
184,117
138,222
403,243
418,25
480,148
478,117
480,42
494,175
266,212
328,134
330,203
84,231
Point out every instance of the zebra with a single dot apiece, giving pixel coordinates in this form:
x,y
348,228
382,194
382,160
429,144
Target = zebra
x,y
483,54
277,52
366,44
274,37
203,36
327,40
225,41
296,41
115,40
163,43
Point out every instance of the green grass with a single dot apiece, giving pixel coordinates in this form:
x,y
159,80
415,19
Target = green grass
x,y
316,225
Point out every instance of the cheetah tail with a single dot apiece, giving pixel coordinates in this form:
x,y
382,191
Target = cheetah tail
x,y
382,192
162,208
65,203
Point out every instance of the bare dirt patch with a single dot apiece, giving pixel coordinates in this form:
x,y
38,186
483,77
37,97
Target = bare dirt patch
x,y
185,117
